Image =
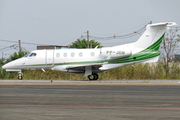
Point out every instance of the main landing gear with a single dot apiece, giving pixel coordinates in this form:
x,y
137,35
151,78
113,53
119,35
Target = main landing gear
x,y
20,77
94,76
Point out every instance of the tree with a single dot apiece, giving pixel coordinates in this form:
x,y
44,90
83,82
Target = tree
x,y
16,55
169,43
83,44
2,62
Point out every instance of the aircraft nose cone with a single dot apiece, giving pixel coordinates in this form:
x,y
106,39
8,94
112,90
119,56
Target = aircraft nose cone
x,y
4,66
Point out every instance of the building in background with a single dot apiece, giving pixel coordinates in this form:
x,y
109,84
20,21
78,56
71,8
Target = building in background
x,y
53,47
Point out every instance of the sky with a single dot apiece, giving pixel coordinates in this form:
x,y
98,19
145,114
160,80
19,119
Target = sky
x,y
61,22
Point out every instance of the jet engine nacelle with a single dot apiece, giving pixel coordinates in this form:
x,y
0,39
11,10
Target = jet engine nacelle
x,y
115,52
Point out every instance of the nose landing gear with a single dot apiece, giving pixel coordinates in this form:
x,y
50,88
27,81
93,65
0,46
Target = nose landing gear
x,y
94,76
20,77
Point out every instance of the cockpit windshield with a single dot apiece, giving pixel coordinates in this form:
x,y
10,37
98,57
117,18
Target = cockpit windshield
x,y
32,55
27,55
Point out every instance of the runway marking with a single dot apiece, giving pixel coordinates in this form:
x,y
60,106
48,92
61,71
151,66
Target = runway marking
x,y
105,107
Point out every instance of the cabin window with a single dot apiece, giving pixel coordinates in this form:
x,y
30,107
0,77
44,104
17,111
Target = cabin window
x,y
32,55
92,54
80,54
57,55
65,54
72,54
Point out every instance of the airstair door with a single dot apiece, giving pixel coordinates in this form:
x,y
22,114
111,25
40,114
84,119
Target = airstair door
x,y
50,58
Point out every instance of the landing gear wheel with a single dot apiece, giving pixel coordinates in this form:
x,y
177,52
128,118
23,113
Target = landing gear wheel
x,y
94,76
20,77
91,77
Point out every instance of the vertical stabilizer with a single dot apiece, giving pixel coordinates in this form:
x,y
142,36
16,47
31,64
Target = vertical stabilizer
x,y
152,34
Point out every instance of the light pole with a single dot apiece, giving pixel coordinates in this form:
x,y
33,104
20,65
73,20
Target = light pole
x,y
88,39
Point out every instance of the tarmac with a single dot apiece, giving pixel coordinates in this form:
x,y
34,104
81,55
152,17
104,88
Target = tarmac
x,y
86,100
85,82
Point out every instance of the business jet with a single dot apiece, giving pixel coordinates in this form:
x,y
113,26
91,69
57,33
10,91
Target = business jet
x,y
92,61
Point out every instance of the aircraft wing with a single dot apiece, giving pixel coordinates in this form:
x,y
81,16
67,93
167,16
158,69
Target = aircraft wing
x,y
87,69
81,68
84,65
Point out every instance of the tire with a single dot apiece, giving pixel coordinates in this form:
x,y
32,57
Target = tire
x,y
20,77
91,77
95,76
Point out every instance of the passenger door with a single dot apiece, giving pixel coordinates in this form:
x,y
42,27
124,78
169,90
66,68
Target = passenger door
x,y
49,58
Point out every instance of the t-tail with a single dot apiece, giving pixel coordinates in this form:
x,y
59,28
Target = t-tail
x,y
149,43
154,33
